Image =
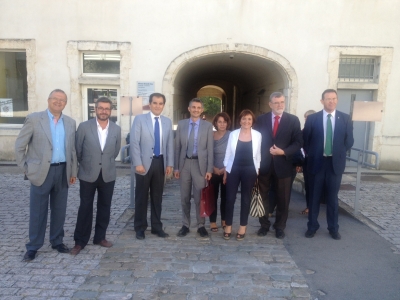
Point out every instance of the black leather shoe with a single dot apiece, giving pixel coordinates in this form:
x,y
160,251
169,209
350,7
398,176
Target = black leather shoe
x,y
29,255
161,233
183,231
61,248
309,234
262,231
140,235
335,235
279,233
202,231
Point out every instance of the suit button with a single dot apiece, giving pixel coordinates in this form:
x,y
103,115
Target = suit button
x,y
100,164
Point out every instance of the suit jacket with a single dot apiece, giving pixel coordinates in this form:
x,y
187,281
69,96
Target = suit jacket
x,y
288,138
231,149
90,156
313,135
33,147
142,142
205,146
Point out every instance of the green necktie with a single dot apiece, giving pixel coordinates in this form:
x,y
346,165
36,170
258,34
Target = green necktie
x,y
328,139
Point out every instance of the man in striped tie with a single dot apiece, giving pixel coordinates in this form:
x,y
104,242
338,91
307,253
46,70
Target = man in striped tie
x,y
152,156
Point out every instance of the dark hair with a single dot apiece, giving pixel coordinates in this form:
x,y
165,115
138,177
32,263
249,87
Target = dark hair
x,y
57,91
224,116
157,95
275,95
328,91
198,100
103,100
247,112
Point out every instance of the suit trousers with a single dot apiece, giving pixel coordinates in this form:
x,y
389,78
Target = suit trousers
x,y
328,183
216,181
54,187
245,176
153,181
191,176
282,188
84,222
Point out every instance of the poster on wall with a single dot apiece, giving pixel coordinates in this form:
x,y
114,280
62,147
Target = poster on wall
x,y
6,107
144,90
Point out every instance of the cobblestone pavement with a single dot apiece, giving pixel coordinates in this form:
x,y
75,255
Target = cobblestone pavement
x,y
172,268
379,205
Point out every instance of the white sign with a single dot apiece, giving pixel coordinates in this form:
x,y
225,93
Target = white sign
x,y
144,90
6,107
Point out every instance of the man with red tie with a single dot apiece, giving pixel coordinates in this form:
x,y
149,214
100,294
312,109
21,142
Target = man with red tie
x,y
281,138
328,135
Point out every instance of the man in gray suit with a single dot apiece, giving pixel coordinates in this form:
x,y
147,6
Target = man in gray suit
x,y
98,142
193,162
45,149
152,156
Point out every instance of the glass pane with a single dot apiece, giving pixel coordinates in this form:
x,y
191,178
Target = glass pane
x,y
102,63
13,87
93,94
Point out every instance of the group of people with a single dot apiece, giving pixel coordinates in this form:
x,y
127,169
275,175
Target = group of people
x,y
261,150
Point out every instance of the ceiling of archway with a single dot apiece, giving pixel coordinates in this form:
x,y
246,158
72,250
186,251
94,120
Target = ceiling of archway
x,y
243,70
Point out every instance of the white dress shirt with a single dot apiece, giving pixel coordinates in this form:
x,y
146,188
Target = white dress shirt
x,y
102,133
159,122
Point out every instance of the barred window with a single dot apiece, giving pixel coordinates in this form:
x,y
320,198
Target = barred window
x,y
357,69
101,63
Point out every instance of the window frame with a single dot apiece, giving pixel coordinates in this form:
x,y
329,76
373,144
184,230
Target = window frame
x,y
108,75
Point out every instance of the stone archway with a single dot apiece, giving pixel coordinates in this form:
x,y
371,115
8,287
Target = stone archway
x,y
233,60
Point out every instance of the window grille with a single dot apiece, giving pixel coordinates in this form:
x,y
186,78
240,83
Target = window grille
x,y
357,69
101,63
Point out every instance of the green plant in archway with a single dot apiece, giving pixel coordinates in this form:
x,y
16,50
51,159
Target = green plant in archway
x,y
212,105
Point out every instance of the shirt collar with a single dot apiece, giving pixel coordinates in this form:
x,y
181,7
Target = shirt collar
x,y
51,116
108,123
326,113
197,122
154,116
273,116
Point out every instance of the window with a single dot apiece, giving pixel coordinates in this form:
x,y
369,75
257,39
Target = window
x,y
13,87
101,63
357,69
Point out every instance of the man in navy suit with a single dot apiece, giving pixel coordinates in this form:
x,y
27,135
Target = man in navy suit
x,y
281,139
327,135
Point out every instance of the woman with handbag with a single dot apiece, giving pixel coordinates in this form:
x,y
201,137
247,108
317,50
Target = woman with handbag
x,y
242,162
221,122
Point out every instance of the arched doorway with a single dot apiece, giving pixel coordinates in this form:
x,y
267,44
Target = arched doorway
x,y
247,74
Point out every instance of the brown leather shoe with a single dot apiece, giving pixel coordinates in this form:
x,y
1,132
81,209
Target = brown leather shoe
x,y
75,250
104,243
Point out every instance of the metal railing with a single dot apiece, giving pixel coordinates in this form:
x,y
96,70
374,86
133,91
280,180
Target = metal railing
x,y
365,158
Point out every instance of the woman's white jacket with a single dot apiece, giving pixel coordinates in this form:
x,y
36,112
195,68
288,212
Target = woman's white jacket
x,y
231,149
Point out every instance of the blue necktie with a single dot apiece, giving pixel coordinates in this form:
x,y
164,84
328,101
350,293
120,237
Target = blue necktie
x,y
156,137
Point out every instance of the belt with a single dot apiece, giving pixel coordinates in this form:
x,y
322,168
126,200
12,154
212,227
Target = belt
x,y
58,164
157,157
193,157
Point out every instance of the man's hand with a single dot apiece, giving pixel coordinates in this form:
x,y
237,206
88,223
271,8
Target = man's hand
x,y
168,171
140,169
274,150
176,174
208,176
72,180
216,171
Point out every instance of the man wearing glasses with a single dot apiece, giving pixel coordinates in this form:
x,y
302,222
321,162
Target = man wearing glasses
x,y
45,149
98,142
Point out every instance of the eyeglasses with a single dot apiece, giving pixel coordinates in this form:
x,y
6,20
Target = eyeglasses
x,y
58,100
103,109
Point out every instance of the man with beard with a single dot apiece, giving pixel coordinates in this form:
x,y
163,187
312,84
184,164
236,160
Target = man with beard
x,y
98,142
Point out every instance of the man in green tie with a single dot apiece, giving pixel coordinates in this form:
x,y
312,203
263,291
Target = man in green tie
x,y
327,136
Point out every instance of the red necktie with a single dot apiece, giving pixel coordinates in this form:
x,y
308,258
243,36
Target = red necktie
x,y
276,125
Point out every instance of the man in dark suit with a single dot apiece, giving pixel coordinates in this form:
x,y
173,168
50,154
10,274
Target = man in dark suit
x,y
98,142
152,153
45,149
194,159
327,135
281,138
